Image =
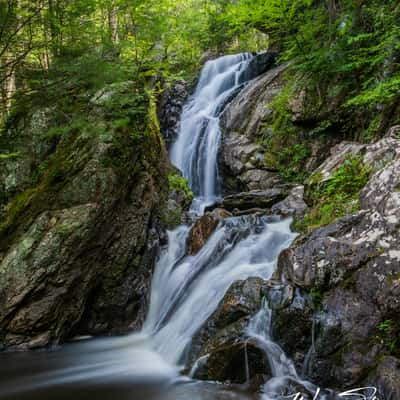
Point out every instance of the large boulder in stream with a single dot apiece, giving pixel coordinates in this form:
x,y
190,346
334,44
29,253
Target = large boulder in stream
x,y
222,349
341,283
79,237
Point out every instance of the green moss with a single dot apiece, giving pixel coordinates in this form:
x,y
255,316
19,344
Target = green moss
x,y
317,297
388,335
180,184
287,150
171,217
335,197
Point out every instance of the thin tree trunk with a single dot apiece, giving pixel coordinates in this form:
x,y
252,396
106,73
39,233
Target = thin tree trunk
x,y
113,22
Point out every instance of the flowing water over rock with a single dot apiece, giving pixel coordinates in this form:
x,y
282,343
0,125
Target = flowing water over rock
x,y
196,148
186,289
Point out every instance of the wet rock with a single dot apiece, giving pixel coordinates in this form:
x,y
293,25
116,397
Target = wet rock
x,y
77,249
222,343
387,379
255,199
259,64
233,358
241,124
292,322
170,109
293,204
203,229
350,270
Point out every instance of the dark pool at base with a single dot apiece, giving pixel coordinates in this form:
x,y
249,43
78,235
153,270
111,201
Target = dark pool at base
x,y
40,375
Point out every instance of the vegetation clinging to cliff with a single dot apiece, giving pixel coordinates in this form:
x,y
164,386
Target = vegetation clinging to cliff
x,y
346,52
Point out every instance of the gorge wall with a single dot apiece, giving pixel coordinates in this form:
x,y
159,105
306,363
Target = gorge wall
x,y
82,218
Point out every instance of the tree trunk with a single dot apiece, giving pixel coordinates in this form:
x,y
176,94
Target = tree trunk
x,y
113,23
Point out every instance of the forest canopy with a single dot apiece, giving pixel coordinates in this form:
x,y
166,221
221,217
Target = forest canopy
x,y
350,47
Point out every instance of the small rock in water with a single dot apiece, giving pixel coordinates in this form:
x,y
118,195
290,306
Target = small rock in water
x,y
204,227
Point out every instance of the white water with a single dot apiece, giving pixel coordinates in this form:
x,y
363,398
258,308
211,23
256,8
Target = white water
x,y
195,151
186,290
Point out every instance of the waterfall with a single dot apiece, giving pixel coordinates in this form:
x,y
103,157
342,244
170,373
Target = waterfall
x,y
195,151
187,289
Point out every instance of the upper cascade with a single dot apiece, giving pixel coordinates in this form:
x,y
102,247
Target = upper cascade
x,y
196,149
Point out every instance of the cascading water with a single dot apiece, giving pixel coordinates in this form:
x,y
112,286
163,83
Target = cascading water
x,y
186,289
196,149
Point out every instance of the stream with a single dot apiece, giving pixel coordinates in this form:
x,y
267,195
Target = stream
x,y
186,290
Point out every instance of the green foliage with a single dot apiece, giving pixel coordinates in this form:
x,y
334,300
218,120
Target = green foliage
x,y
286,151
347,52
180,184
335,197
317,297
288,158
348,180
7,156
388,336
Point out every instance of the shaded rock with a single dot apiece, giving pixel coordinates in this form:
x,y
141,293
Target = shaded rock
x,y
179,201
350,270
221,344
229,356
27,146
77,249
203,229
292,321
170,109
293,204
387,378
259,64
255,199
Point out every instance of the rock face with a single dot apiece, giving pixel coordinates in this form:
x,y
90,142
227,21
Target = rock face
x,y
76,249
255,199
259,64
241,157
28,148
170,109
350,270
254,153
293,204
221,345
203,229
387,378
